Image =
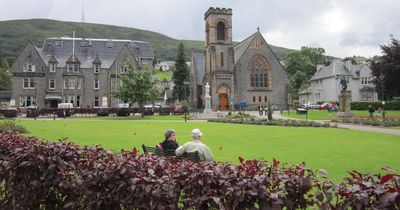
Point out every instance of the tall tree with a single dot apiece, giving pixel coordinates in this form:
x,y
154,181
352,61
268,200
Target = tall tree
x,y
5,79
137,86
181,76
386,70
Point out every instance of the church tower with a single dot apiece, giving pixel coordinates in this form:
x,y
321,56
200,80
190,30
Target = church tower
x,y
219,57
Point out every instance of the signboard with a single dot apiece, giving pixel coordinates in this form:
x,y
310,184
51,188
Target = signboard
x,y
243,104
215,101
232,101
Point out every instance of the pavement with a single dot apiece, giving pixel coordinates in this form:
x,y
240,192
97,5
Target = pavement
x,y
376,129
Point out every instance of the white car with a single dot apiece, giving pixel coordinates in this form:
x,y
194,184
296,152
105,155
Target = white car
x,y
311,105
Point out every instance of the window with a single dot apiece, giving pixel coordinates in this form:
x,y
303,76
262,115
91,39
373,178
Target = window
x,y
25,101
78,101
265,98
52,83
258,72
367,96
82,44
222,59
96,68
220,31
96,101
58,43
96,84
29,83
28,68
73,67
52,67
124,69
71,83
109,45
65,83
78,84
259,98
254,98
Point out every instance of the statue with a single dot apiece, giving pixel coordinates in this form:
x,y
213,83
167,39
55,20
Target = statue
x,y
343,83
207,90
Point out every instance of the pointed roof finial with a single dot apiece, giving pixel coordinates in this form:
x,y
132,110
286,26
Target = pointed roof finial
x,y
258,29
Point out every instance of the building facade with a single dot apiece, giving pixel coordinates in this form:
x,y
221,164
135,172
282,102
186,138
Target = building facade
x,y
80,71
324,84
247,72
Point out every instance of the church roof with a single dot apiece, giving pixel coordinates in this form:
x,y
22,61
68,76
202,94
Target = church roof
x,y
242,46
198,62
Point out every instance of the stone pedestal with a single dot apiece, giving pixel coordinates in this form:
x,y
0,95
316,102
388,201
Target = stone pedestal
x,y
207,105
344,104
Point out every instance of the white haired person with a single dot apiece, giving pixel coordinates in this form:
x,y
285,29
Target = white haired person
x,y
196,145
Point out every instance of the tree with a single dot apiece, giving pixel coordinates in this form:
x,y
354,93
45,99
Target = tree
x,y
5,79
181,76
386,70
297,61
316,55
298,80
137,87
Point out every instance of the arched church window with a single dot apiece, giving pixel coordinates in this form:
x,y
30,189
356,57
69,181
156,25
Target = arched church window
x,y
220,31
222,59
259,72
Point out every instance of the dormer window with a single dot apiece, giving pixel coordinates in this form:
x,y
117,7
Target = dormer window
x,y
110,45
58,43
83,44
96,68
52,67
73,67
124,69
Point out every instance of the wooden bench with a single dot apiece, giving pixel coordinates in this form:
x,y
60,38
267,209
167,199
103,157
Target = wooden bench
x,y
193,156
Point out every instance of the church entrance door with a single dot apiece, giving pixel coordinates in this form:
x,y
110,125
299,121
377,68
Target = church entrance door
x,y
223,101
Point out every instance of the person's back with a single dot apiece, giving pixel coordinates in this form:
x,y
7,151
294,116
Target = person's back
x,y
196,145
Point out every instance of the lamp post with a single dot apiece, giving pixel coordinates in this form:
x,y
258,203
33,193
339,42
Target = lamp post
x,y
306,103
383,98
185,99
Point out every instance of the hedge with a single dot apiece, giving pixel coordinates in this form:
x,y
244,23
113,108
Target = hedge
x,y
389,105
61,175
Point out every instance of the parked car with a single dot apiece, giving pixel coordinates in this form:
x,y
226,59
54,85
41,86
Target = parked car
x,y
327,105
311,105
177,110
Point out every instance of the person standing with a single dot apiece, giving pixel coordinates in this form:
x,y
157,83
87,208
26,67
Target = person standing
x,y
371,111
196,145
170,142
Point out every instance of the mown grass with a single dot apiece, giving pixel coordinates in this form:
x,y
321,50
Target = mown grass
x,y
325,115
336,150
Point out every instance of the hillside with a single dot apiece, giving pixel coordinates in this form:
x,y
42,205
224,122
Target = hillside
x,y
14,34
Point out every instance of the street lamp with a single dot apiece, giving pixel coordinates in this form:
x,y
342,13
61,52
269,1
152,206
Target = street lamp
x,y
383,98
185,99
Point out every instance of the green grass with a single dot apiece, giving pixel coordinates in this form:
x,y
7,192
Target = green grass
x,y
325,115
163,75
336,150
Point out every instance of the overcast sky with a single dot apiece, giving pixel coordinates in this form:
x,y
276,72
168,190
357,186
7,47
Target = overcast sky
x,y
342,27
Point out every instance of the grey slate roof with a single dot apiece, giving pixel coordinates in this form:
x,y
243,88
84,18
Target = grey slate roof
x,y
86,50
199,67
337,67
241,47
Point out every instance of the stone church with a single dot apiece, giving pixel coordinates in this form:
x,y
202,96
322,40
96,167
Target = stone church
x,y
247,72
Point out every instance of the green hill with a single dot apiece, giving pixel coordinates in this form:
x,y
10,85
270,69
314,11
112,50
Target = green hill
x,y
14,35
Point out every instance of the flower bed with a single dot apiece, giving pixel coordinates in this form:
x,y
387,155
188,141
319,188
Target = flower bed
x,y
49,175
275,122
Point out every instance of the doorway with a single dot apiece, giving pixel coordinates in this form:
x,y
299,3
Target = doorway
x,y
223,101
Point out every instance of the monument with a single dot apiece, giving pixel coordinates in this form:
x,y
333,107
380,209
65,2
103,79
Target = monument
x,y
344,100
207,99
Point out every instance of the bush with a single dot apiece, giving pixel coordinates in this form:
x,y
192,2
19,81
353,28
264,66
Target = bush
x,y
389,105
9,113
11,126
48,175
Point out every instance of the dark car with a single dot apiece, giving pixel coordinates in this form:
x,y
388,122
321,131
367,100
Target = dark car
x,y
177,110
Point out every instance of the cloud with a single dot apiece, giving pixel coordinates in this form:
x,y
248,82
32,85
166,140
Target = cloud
x,y
343,28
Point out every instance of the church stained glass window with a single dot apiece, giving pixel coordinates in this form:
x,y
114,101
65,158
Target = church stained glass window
x,y
259,71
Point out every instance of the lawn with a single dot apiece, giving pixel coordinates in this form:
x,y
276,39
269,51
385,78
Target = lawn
x,y
336,150
325,115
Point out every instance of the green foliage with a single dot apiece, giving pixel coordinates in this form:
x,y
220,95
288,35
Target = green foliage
x,y
181,76
389,105
11,126
137,86
5,79
16,33
269,107
386,70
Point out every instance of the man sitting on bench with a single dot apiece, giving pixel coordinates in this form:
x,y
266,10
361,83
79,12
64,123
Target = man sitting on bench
x,y
196,145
